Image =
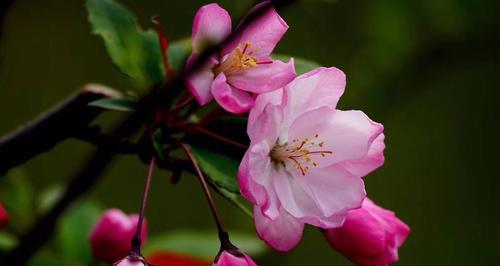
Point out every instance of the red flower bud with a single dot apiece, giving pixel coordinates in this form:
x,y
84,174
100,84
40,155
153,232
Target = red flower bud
x,y
4,217
370,235
111,237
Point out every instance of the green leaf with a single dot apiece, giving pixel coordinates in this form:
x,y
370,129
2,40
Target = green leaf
x,y
74,229
116,104
7,241
202,244
16,192
220,170
48,197
178,52
46,258
134,51
301,65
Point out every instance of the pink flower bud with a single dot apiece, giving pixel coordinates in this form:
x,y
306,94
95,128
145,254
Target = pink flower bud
x,y
228,259
132,261
111,237
370,235
4,217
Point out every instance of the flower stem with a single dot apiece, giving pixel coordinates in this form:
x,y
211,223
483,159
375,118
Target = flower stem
x,y
218,137
222,233
136,240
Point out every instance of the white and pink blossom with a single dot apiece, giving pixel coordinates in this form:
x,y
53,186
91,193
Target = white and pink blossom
x,y
244,66
306,158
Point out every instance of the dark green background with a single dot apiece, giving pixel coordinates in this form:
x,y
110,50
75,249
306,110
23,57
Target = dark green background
x,y
427,69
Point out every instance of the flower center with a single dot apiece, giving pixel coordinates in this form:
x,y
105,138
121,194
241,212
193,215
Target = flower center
x,y
300,153
242,58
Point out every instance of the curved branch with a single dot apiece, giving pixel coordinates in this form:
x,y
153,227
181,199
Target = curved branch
x,y
59,123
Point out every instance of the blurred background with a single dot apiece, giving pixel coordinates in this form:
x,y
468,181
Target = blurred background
x,y
428,70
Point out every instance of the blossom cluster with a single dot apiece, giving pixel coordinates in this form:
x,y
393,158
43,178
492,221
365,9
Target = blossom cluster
x,y
306,160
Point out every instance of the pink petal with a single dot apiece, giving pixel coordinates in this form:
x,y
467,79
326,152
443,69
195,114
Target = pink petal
x,y
200,82
228,259
317,88
229,98
347,134
260,195
212,24
282,233
267,126
264,77
258,114
263,34
373,160
333,189
370,235
298,203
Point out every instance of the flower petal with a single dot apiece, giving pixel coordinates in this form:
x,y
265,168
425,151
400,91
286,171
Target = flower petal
x,y
282,233
200,82
259,194
259,112
333,189
347,134
317,88
264,77
229,98
211,24
296,201
373,160
262,34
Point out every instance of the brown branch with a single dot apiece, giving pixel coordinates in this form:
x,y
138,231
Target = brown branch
x,y
59,123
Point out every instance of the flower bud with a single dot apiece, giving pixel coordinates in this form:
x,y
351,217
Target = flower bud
x,y
4,217
370,235
132,261
172,259
228,259
111,237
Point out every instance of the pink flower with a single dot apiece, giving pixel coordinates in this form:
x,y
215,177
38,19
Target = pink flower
x,y
244,66
306,158
111,237
132,261
228,259
370,235
4,217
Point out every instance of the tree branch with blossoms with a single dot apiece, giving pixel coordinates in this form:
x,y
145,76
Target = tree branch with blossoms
x,y
302,159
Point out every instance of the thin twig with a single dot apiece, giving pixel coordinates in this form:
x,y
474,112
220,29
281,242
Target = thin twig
x,y
216,136
137,240
204,185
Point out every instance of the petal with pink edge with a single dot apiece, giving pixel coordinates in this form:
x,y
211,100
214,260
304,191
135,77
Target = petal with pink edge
x,y
258,111
231,99
333,189
298,203
347,135
260,195
200,82
373,160
212,24
264,77
262,34
314,89
282,233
